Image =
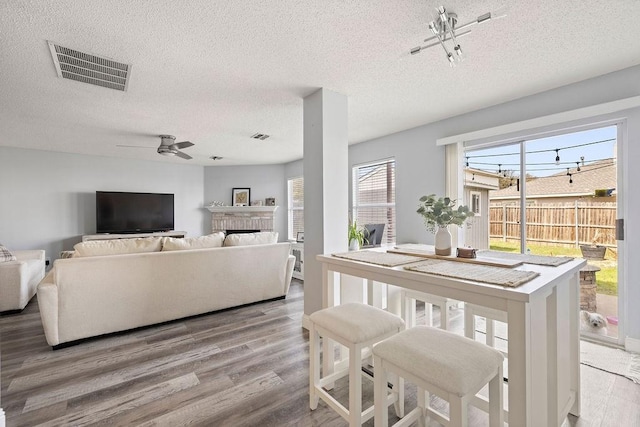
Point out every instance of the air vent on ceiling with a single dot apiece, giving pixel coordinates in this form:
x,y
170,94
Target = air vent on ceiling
x,y
260,136
87,68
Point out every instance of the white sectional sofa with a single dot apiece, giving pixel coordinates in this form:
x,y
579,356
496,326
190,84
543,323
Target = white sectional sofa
x,y
98,294
19,279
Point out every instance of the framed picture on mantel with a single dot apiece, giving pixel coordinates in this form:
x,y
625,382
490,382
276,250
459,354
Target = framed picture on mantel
x,y
241,196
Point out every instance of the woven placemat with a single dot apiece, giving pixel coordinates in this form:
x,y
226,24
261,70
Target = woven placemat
x,y
379,258
474,272
551,261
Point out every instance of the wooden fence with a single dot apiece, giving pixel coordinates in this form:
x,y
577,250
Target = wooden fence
x,y
572,224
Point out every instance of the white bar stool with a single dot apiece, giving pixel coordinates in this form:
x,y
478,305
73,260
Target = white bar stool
x,y
491,316
409,298
357,327
452,367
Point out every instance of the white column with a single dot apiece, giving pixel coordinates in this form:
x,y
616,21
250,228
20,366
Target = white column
x,y
326,184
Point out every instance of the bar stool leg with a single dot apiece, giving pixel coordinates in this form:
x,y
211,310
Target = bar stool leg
x,y
496,414
314,366
458,411
490,337
444,316
409,309
380,394
423,403
355,385
469,324
428,313
398,390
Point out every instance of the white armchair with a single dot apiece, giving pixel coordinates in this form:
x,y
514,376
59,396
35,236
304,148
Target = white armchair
x,y
19,279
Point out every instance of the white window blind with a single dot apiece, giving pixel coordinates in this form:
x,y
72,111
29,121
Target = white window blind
x,y
295,207
374,196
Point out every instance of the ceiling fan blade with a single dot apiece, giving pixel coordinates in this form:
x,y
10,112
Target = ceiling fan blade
x,y
183,144
133,146
183,155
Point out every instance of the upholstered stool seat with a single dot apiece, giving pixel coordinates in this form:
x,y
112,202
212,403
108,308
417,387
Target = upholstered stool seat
x,y
452,367
357,327
409,298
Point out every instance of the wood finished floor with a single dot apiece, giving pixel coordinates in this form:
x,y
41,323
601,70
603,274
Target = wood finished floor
x,y
242,367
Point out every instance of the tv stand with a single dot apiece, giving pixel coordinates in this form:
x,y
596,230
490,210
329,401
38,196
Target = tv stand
x,y
107,236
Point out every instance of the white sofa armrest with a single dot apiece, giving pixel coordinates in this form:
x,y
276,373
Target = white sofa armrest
x,y
48,303
291,261
29,254
18,279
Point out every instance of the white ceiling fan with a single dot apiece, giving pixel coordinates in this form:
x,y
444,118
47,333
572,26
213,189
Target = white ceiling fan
x,y
168,147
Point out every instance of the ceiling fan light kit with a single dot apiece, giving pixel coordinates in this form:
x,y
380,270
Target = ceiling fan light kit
x,y
446,31
168,147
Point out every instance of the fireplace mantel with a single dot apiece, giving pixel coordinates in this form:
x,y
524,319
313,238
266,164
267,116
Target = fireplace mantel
x,y
235,218
242,209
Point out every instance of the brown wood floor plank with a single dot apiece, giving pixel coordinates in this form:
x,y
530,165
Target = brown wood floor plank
x,y
207,407
112,378
108,409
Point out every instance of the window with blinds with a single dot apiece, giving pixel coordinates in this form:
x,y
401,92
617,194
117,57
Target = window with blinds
x,y
295,207
374,196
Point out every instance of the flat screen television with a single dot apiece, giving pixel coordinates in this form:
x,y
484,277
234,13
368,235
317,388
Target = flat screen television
x,y
120,212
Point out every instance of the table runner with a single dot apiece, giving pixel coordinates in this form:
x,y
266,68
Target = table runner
x,y
552,261
379,258
474,272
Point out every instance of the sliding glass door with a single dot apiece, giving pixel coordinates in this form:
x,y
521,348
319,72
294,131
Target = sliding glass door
x,y
555,196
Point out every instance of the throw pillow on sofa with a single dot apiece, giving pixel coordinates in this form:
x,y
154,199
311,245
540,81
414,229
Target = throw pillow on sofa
x,y
246,239
213,240
117,246
5,254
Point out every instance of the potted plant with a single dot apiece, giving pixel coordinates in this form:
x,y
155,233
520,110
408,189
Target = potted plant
x,y
438,213
594,251
356,236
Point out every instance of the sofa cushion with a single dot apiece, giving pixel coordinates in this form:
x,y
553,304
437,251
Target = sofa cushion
x,y
213,240
245,239
5,254
117,246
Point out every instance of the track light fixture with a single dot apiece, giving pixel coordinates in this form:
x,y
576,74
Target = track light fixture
x,y
445,28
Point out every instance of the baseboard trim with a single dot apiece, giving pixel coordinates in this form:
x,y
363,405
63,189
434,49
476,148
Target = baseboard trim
x,y
632,345
306,323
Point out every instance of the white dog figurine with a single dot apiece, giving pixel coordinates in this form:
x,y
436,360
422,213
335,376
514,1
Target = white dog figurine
x,y
593,322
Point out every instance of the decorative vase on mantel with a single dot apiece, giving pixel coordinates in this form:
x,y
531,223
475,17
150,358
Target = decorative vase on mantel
x,y
354,245
443,241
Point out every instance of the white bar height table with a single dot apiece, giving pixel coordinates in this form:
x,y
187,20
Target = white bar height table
x,y
543,332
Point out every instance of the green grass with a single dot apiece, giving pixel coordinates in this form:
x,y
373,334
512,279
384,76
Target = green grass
x,y
606,278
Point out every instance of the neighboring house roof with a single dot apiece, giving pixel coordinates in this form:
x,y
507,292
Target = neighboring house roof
x,y
597,175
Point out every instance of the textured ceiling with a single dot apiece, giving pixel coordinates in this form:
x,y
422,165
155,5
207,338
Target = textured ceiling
x,y
216,72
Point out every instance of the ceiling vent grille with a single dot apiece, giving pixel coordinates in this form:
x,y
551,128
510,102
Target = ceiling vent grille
x,y
260,136
87,68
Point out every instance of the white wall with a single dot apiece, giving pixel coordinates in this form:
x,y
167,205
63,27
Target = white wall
x,y
47,199
419,171
264,181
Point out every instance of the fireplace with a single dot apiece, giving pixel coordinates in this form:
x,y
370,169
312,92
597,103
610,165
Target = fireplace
x,y
242,219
